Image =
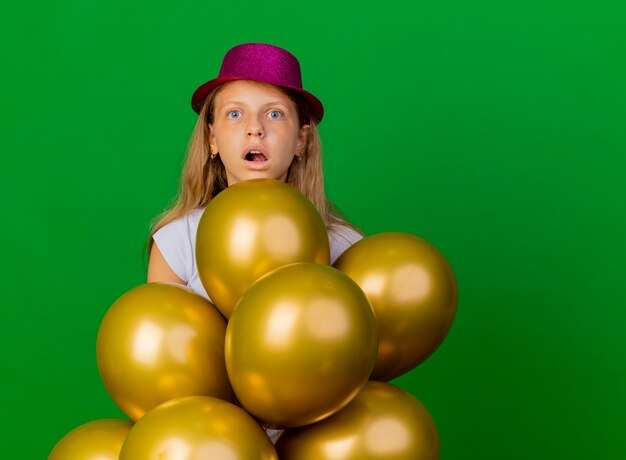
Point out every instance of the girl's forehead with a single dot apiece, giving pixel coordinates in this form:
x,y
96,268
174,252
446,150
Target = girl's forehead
x,y
250,91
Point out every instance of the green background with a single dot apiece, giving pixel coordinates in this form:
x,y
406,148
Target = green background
x,y
493,129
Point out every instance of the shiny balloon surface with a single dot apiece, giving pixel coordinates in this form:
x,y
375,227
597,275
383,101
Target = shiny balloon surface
x,y
250,229
381,422
300,345
161,341
197,428
97,440
413,291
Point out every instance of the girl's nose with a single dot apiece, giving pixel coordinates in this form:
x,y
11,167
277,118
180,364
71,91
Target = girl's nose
x,y
255,128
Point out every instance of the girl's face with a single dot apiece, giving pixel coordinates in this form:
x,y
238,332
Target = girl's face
x,y
256,131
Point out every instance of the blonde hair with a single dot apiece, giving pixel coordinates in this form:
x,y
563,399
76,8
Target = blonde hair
x,y
203,177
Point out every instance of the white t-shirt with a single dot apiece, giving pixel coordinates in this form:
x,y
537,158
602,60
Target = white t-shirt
x,y
177,243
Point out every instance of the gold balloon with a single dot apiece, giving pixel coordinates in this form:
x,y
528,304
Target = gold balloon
x,y
197,428
300,345
381,422
250,229
160,341
97,440
413,292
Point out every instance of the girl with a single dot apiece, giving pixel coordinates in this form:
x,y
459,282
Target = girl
x,y
255,121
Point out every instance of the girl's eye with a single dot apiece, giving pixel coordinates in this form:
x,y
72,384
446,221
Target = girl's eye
x,y
275,114
234,114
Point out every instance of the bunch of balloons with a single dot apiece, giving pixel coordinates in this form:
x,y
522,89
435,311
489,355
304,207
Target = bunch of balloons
x,y
287,342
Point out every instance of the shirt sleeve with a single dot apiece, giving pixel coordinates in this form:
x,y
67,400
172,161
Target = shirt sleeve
x,y
173,240
341,238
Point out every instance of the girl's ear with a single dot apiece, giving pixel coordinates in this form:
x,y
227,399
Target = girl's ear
x,y
212,143
303,137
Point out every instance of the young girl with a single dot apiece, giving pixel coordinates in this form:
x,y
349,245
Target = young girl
x,y
255,121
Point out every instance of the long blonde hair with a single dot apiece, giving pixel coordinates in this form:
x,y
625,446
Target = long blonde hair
x,y
203,178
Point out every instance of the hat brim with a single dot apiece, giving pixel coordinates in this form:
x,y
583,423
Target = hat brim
x,y
203,91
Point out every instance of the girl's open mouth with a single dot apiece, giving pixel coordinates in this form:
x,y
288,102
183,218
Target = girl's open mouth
x,y
256,156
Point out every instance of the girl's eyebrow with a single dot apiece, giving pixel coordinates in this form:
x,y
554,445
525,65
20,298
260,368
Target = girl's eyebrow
x,y
232,103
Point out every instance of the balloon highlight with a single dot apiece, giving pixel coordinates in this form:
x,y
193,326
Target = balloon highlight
x,y
197,428
250,229
161,341
300,345
381,422
413,291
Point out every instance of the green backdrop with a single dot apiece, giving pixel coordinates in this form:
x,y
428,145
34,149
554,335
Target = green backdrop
x,y
494,129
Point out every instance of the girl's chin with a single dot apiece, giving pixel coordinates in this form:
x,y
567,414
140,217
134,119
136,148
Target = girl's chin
x,y
255,175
